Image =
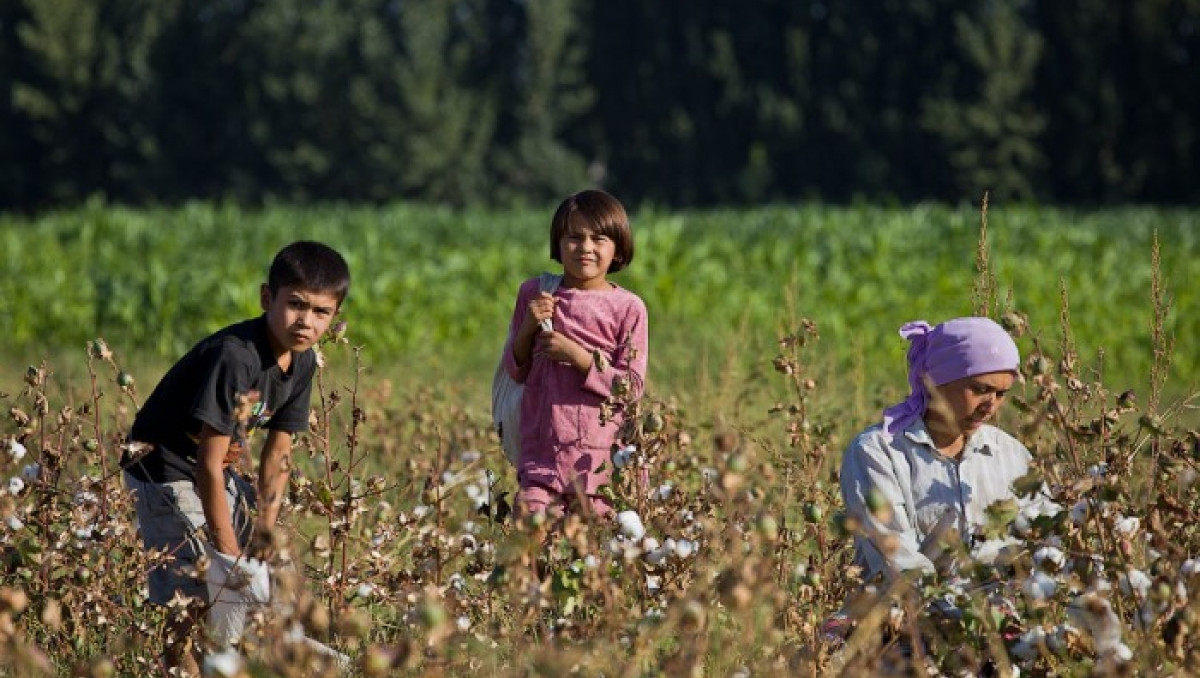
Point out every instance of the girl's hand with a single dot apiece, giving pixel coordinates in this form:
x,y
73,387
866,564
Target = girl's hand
x,y
540,308
561,349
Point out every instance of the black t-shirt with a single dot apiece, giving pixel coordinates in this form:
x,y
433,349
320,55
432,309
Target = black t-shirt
x,y
207,386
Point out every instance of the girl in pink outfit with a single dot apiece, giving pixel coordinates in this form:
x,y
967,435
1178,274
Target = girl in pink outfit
x,y
596,349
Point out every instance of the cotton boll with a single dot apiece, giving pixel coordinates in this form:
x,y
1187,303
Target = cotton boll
x,y
476,495
16,451
1028,645
656,557
225,664
1122,652
1126,525
988,551
1096,616
15,485
1032,511
1039,586
684,548
631,524
1135,581
623,456
1050,558
1189,567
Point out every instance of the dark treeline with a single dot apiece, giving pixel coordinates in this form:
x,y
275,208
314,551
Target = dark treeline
x,y
679,102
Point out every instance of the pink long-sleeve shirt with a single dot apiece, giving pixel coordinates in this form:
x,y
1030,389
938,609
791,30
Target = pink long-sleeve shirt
x,y
562,439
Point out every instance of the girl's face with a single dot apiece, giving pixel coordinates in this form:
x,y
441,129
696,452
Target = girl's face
x,y
586,256
964,405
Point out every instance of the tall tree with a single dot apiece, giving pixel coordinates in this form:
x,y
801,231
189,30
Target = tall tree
x,y
450,119
19,154
545,93
87,110
988,125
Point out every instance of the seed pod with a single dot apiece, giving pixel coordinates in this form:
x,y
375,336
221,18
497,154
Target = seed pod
x,y
124,380
768,526
692,616
878,505
813,512
1151,423
652,422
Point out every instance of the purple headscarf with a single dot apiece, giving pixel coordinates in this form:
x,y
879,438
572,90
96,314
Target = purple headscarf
x,y
962,347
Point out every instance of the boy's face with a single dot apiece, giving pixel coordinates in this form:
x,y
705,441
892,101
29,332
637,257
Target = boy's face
x,y
297,318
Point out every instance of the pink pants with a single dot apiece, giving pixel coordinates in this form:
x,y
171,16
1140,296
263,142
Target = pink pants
x,y
536,498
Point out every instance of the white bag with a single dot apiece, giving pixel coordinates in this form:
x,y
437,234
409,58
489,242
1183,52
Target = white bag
x,y
236,585
506,393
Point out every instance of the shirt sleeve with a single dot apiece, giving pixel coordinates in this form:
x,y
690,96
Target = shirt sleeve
x,y
628,363
226,376
866,466
292,416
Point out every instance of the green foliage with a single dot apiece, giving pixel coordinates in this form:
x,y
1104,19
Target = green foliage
x,y
433,288
514,103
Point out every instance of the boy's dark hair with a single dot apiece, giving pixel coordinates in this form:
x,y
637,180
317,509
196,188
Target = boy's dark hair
x,y
311,266
600,212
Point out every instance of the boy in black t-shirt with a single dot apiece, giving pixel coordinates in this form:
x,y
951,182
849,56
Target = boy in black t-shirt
x,y
189,435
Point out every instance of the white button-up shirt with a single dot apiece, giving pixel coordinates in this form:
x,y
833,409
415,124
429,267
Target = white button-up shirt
x,y
929,493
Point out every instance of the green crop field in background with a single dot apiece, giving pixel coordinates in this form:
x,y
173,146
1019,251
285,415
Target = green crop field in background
x,y
433,288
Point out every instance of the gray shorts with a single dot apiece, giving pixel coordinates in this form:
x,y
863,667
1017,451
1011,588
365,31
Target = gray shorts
x,y
171,519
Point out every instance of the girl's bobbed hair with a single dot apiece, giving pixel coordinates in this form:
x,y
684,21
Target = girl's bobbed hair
x,y
603,215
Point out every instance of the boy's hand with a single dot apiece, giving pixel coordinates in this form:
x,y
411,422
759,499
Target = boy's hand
x,y
561,349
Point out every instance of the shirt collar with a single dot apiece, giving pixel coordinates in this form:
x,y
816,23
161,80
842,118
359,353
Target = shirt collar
x,y
979,443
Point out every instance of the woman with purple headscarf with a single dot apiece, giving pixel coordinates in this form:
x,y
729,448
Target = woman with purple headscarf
x,y
934,465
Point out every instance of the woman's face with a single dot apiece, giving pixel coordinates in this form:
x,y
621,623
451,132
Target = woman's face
x,y
966,404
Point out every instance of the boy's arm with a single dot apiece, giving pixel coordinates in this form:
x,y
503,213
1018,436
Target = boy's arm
x,y
273,472
210,486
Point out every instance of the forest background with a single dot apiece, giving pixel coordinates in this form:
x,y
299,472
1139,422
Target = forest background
x,y
678,104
